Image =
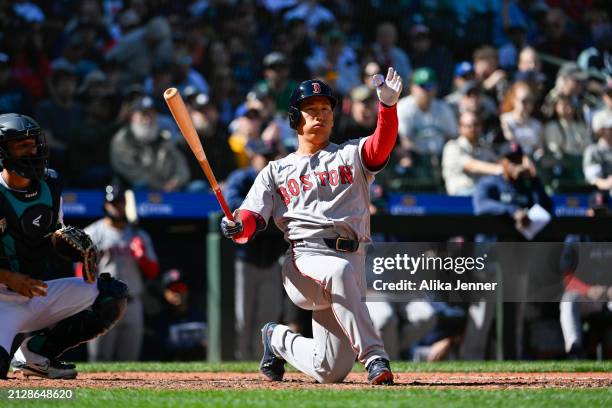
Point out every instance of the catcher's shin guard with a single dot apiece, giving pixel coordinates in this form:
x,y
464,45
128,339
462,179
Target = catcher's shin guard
x,y
5,362
108,308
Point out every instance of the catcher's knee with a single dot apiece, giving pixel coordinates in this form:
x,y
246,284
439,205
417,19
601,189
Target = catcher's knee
x,y
5,361
111,303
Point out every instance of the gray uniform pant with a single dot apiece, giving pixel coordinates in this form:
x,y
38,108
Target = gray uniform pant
x,y
124,341
258,300
331,284
572,308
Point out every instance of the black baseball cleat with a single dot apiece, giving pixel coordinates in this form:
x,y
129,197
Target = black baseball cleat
x,y
271,366
379,372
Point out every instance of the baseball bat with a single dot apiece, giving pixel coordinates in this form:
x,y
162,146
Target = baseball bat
x,y
183,120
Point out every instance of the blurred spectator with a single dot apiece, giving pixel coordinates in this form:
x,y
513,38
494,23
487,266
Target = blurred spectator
x,y
145,158
513,192
509,52
276,80
567,134
13,98
138,51
73,55
89,168
244,129
569,83
60,112
258,291
360,121
486,67
126,252
312,13
425,122
513,13
88,23
180,328
295,43
469,98
185,75
597,160
464,72
425,53
517,121
556,41
335,62
224,94
388,54
466,159
276,129
606,99
598,58
529,60
205,118
30,66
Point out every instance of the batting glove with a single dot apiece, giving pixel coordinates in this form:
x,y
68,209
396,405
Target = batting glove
x,y
231,229
390,89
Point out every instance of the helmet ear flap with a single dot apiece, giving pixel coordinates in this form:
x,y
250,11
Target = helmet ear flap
x,y
294,117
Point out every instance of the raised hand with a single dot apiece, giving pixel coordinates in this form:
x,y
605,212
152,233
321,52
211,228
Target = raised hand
x,y
390,89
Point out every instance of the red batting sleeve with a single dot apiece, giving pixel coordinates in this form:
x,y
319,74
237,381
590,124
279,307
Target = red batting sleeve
x,y
249,226
378,147
575,284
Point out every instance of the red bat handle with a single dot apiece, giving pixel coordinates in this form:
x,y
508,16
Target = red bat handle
x,y
224,206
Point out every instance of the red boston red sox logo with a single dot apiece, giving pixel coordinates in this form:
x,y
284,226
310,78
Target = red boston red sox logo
x,y
316,87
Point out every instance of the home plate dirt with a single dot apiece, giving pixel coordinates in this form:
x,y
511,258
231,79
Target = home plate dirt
x,y
218,381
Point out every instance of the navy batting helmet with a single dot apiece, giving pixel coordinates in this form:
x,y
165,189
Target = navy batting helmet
x,y
305,90
14,126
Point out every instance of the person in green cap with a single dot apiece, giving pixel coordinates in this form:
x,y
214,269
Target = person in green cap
x,y
425,122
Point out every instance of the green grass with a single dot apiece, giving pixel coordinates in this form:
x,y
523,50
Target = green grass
x,y
343,398
367,397
399,366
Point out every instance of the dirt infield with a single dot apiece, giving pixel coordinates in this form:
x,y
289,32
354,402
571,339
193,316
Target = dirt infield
x,y
220,381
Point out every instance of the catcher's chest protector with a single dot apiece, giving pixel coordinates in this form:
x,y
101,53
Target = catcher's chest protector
x,y
26,218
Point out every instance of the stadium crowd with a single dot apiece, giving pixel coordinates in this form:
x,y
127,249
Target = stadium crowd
x,y
478,74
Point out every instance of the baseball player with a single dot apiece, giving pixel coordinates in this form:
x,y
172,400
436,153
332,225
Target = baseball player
x,y
62,312
319,197
127,253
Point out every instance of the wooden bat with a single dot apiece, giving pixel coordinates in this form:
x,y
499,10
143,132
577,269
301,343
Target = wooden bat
x,y
183,120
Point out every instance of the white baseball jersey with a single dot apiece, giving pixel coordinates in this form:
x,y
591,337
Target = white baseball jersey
x,y
323,195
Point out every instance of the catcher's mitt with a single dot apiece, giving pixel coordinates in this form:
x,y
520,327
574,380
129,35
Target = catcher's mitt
x,y
77,246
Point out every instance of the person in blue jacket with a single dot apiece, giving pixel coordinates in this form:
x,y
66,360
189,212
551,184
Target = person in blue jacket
x,y
513,192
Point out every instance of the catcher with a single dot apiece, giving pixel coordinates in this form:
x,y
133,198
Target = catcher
x,y
53,315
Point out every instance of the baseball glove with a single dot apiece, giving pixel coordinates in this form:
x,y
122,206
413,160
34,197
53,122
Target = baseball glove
x,y
77,246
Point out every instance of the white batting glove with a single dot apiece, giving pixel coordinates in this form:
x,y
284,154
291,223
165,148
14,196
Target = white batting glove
x,y
389,89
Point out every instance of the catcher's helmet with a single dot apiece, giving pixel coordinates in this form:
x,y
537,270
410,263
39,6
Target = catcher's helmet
x,y
14,126
305,90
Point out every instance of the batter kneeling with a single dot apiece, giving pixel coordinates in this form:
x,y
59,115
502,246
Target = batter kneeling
x,y
40,318
319,197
